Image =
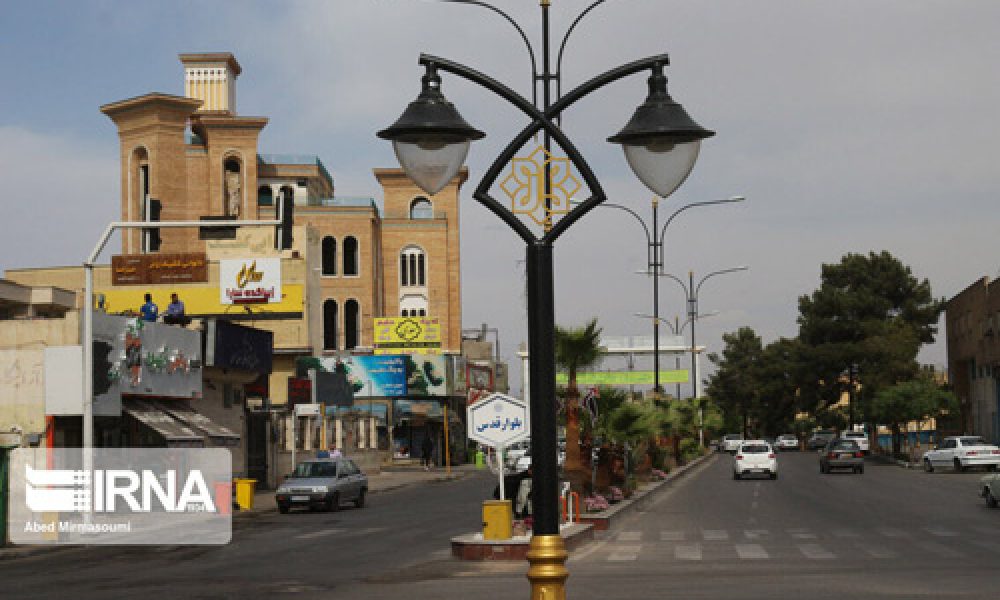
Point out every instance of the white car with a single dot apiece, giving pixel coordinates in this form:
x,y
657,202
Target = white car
x,y
731,442
961,452
860,437
989,488
786,441
524,462
755,457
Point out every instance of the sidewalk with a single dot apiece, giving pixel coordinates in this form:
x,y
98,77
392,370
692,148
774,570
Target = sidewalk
x,y
390,478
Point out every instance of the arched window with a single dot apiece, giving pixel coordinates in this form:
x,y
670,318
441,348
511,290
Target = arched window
x,y
351,324
350,256
412,272
329,256
330,325
265,197
421,208
232,187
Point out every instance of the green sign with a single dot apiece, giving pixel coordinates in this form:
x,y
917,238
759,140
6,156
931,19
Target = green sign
x,y
624,377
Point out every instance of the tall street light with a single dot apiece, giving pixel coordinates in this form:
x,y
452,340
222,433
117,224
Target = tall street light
x,y
677,328
691,292
431,141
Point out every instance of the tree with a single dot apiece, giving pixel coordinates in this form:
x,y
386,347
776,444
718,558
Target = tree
x,y
777,378
914,400
575,349
869,311
734,386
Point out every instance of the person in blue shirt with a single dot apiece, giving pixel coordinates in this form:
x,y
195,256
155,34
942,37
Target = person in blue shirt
x,y
175,312
149,311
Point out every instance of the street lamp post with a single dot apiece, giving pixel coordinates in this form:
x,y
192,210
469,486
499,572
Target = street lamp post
x,y
431,141
677,328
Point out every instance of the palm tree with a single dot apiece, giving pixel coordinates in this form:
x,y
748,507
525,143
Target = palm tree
x,y
576,349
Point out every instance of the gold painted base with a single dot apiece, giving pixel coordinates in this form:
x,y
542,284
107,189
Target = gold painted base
x,y
547,567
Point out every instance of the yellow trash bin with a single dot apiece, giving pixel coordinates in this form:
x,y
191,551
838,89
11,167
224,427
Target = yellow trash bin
x,y
244,493
496,519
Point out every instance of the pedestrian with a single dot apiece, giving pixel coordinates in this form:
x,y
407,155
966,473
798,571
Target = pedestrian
x,y
335,451
175,312
426,447
149,310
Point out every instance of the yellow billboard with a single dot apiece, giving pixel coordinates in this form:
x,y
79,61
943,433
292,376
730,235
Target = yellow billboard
x,y
407,335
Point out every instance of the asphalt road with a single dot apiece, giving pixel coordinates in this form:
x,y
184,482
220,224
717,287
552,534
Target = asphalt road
x,y
890,533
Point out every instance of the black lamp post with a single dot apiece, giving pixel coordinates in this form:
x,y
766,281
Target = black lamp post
x,y
431,140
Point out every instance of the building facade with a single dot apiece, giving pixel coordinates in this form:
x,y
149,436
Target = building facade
x,y
972,321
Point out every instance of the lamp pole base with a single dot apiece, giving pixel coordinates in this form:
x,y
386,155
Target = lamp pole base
x,y
547,567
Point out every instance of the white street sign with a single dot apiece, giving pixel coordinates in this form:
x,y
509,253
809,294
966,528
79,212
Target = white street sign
x,y
498,420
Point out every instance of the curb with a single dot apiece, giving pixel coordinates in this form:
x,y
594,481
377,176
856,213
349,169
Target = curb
x,y
895,461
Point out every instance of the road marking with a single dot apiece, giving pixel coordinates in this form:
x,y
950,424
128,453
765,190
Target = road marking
x,y
941,531
756,534
939,549
845,533
687,552
751,551
801,534
756,489
715,535
878,552
753,505
630,536
892,533
624,553
815,552
316,534
671,536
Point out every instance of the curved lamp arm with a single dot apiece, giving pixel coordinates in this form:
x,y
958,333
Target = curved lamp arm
x,y
562,46
649,240
663,230
714,273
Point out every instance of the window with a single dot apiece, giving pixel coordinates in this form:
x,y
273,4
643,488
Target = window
x,y
413,305
329,256
330,325
421,208
350,256
232,184
411,268
351,312
265,197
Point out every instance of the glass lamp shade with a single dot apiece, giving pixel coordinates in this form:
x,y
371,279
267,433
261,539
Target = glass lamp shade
x,y
431,161
662,165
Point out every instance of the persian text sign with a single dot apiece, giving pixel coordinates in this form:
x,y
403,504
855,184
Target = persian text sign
x,y
624,377
498,420
141,269
250,281
131,496
403,335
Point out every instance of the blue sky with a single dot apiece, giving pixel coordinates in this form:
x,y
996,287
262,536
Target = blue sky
x,y
853,126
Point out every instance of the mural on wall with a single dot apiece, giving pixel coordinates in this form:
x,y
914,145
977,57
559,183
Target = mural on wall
x,y
425,375
367,375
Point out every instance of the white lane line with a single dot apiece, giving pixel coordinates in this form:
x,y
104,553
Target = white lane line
x,y
941,531
878,551
756,489
321,533
890,532
687,551
630,536
756,534
751,551
845,533
624,553
939,549
815,552
801,534
715,535
671,536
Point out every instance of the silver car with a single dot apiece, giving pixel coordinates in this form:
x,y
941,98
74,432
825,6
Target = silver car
x,y
323,483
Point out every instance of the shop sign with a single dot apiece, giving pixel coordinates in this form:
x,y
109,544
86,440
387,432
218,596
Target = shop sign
x,y
405,335
232,346
426,375
250,281
480,377
156,269
299,391
368,375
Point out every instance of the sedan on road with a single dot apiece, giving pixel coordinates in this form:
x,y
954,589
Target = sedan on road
x,y
755,457
731,442
786,441
989,488
842,454
962,452
323,483
820,439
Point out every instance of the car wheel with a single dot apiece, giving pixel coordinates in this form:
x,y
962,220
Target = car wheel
x,y
991,501
283,508
959,467
823,469
333,503
360,502
991,468
736,475
861,470
774,475
928,466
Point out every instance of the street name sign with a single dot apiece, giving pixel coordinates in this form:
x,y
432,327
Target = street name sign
x,y
498,420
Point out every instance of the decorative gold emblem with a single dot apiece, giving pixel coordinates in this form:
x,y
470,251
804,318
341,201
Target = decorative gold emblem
x,y
525,186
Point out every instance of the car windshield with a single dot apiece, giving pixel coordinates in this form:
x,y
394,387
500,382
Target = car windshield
x,y
973,441
315,469
854,434
754,448
844,445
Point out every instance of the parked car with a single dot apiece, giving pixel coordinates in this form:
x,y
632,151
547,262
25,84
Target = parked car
x,y
989,488
841,454
786,441
858,436
755,457
820,439
962,452
731,442
322,483
524,462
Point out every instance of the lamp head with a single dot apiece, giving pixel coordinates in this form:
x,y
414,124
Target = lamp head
x,y
661,141
430,138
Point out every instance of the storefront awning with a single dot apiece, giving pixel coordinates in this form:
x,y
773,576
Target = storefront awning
x,y
219,435
175,433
